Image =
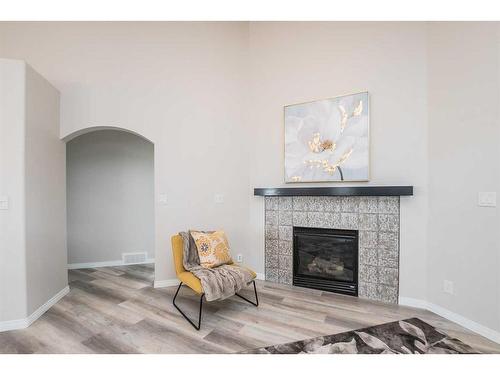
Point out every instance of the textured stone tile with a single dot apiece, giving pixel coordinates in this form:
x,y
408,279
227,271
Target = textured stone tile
x,y
271,232
368,204
272,261
285,217
368,273
368,222
272,217
372,291
388,276
285,203
367,290
300,219
285,233
350,204
285,248
271,203
388,258
349,220
272,274
388,241
333,204
285,262
388,223
271,246
368,238
301,203
387,293
317,204
285,277
362,290
388,205
332,220
316,219
368,256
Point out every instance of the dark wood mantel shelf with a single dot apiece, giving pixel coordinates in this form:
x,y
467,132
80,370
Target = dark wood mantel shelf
x,y
336,191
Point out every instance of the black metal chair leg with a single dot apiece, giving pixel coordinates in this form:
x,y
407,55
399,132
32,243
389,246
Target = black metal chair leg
x,y
184,315
197,327
256,303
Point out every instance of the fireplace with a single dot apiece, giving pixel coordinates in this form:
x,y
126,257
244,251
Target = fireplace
x,y
326,259
374,218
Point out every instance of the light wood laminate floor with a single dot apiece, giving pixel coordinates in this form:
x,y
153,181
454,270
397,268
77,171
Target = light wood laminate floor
x,y
116,310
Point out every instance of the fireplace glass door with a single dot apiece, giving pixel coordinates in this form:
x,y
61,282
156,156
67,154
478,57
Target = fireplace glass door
x,y
326,259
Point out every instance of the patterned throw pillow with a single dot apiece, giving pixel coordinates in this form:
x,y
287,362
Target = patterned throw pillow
x,y
213,248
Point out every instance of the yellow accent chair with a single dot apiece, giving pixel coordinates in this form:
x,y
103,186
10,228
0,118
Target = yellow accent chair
x,y
187,278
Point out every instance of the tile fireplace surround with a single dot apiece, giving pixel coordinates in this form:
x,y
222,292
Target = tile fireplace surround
x,y
376,219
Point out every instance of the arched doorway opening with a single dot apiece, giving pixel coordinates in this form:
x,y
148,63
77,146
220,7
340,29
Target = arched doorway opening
x,y
110,207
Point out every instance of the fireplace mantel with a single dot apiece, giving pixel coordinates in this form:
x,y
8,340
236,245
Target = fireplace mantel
x,y
373,191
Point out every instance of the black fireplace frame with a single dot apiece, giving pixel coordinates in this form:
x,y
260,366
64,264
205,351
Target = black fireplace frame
x,y
323,283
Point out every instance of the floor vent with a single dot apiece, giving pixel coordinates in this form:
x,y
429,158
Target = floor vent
x,y
133,258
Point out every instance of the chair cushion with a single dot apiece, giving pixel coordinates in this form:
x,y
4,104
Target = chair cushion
x,y
251,271
195,284
177,252
191,281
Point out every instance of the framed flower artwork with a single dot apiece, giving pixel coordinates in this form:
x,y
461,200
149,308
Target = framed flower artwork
x,y
328,140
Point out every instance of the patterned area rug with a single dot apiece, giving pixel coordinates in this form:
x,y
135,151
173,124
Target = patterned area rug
x,y
410,336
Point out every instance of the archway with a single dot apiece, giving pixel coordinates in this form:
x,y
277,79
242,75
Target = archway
x,y
110,204
91,129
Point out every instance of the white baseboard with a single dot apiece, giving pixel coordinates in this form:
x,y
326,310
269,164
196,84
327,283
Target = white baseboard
x,y
454,317
26,322
166,283
111,263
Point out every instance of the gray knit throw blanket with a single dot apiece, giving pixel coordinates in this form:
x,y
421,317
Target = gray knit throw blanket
x,y
219,282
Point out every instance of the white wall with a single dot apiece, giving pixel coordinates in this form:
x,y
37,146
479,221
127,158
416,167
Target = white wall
x,y
45,188
464,158
181,85
110,185
12,221
299,61
32,175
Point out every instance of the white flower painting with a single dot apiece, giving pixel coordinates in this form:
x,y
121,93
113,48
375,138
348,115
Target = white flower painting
x,y
328,140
